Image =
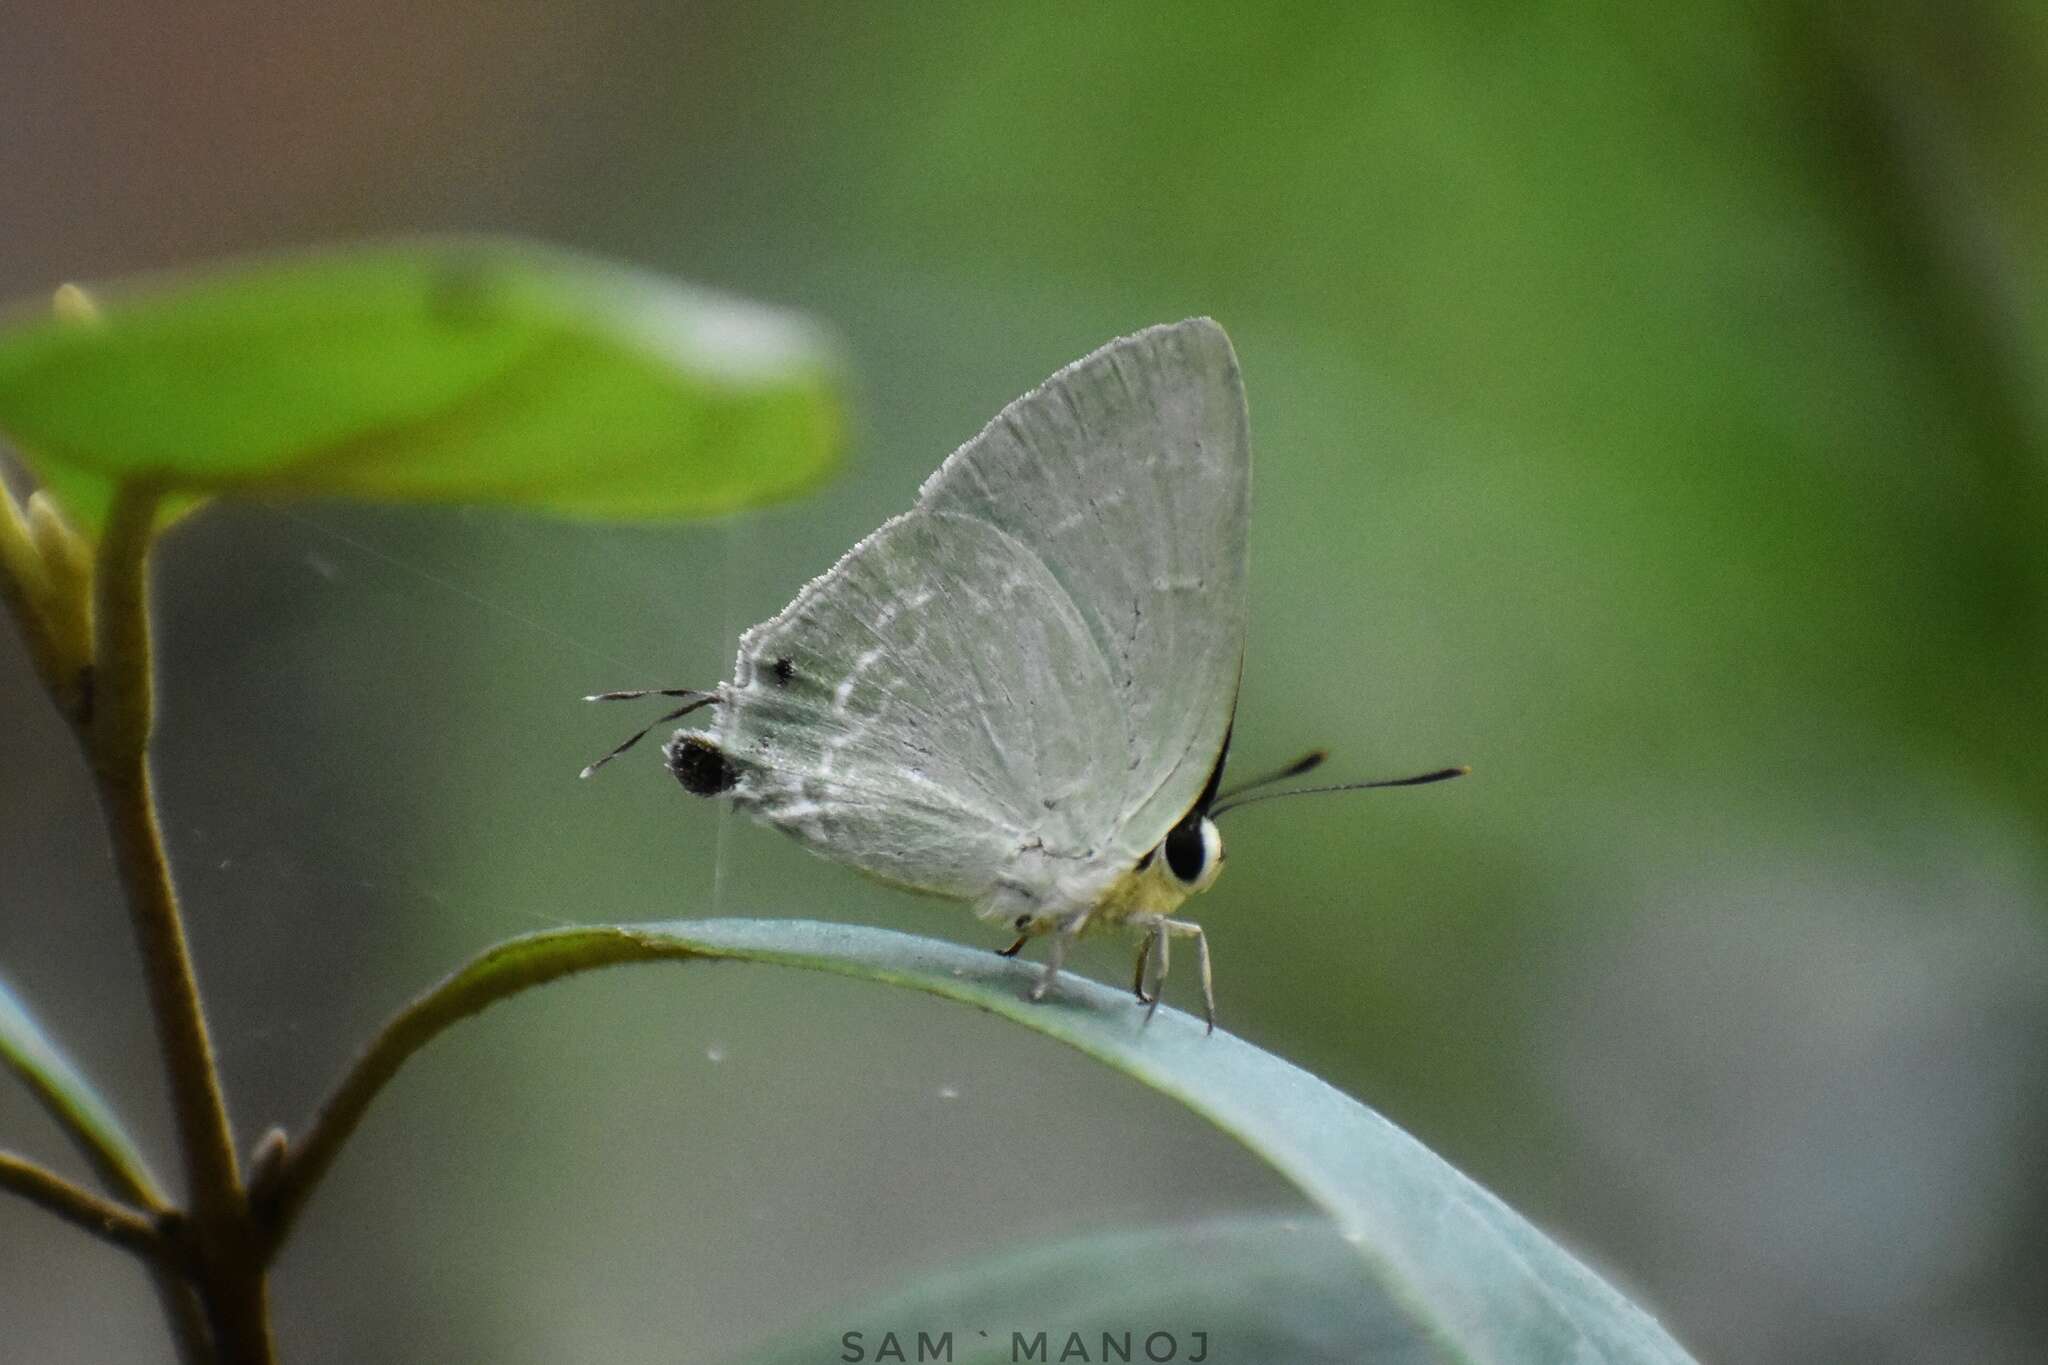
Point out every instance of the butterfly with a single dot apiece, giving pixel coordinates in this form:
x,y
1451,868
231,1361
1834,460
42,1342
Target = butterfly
x,y
1019,694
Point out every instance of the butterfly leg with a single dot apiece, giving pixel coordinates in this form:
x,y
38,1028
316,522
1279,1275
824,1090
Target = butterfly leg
x,y
1014,948
1063,933
1164,932
1138,974
1158,939
1189,929
1054,956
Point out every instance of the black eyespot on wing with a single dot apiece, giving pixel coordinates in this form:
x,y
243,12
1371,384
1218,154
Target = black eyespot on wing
x,y
700,765
784,670
1184,852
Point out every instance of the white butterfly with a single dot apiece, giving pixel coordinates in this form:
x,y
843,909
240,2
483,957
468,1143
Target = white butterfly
x,y
1019,693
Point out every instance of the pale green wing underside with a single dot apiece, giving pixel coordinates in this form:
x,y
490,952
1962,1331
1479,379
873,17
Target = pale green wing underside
x,y
1023,682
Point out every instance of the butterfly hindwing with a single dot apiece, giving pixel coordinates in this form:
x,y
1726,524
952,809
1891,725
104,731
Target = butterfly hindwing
x,y
883,720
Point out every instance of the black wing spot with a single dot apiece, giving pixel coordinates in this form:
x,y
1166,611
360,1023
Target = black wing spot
x,y
700,765
784,670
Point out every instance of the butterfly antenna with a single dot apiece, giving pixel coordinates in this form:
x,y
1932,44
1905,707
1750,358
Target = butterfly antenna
x,y
1307,763
1419,780
696,701
638,693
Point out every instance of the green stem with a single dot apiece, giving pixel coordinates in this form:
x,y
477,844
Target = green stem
x,y
498,972
127,1228
230,1270
185,1317
74,1105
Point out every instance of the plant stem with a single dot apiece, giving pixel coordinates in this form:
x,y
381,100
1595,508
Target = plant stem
x,y
73,1104
491,976
127,1228
229,1270
185,1318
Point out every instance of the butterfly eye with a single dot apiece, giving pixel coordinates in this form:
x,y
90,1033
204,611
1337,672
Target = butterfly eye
x,y
1194,852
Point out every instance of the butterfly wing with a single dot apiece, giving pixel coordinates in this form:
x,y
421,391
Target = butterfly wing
x,y
1129,475
923,711
1022,683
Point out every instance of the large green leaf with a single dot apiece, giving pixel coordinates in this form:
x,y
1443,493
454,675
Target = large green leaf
x,y
1231,1290
1479,1283
73,1102
466,370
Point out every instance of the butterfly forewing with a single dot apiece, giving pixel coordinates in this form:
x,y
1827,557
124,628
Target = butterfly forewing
x,y
1129,474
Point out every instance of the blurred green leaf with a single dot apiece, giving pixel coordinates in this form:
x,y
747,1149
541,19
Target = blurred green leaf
x,y
73,1102
457,370
1256,1289
1479,1282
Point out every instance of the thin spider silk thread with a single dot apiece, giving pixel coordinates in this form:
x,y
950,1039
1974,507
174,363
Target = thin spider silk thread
x,y
390,878
735,531
446,585
737,535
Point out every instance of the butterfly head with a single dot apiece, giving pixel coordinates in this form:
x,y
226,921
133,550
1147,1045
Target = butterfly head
x,y
1185,863
1190,857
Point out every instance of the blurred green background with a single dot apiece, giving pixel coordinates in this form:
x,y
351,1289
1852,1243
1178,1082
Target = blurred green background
x,y
1648,408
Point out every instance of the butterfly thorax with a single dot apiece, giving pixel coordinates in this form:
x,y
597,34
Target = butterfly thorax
x,y
1141,894
1144,893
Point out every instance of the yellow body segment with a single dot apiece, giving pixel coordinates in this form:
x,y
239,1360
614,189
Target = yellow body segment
x,y
1141,896
1144,899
